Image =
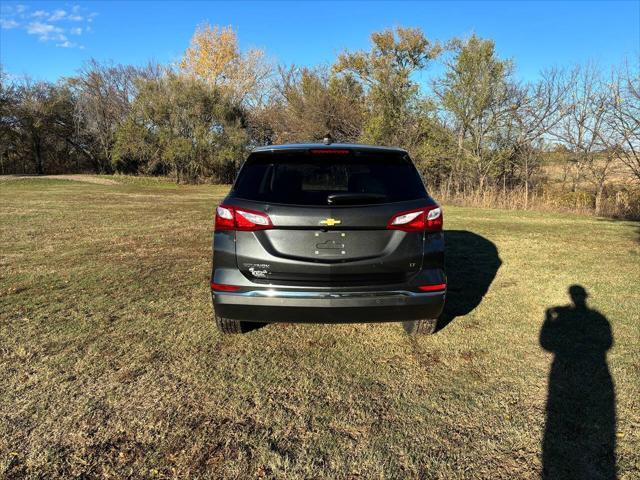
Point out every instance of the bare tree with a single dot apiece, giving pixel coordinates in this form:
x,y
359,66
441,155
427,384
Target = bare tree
x,y
104,93
584,130
536,110
623,119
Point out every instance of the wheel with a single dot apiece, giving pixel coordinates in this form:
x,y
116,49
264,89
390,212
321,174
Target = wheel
x,y
425,326
227,325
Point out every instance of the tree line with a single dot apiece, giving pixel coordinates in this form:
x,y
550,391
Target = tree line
x,y
473,128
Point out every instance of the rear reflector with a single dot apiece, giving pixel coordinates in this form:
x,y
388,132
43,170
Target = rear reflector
x,y
221,287
328,151
433,288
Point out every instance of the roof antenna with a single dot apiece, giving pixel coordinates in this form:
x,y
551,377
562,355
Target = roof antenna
x,y
328,139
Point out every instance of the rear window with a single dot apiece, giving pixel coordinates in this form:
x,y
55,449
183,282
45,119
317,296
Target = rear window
x,y
301,178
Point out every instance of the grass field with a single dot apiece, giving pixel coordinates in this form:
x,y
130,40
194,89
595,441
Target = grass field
x,y
110,365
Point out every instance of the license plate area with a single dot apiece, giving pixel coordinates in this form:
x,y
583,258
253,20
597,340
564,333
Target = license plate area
x,y
330,244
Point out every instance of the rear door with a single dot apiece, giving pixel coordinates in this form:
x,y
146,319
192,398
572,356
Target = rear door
x,y
330,213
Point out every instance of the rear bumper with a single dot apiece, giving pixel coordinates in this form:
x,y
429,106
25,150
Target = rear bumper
x,y
270,305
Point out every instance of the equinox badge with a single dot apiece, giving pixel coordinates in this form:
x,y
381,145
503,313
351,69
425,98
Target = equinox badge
x,y
330,222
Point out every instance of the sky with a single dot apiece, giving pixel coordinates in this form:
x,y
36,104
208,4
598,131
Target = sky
x,y
51,39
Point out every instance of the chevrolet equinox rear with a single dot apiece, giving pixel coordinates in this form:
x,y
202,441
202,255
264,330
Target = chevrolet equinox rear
x,y
328,233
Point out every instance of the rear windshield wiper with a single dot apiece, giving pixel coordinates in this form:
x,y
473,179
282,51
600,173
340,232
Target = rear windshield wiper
x,y
355,198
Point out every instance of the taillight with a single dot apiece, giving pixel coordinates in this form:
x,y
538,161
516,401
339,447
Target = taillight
x,y
224,218
232,218
422,220
221,287
434,219
413,221
433,288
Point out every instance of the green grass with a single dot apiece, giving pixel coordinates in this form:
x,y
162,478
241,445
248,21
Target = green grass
x,y
110,364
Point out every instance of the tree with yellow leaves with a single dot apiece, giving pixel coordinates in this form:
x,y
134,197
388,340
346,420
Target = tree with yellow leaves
x,y
214,56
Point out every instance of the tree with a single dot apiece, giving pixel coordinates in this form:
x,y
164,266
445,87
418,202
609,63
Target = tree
x,y
214,56
313,102
41,118
432,147
477,93
536,110
623,118
8,121
103,94
584,130
181,125
385,72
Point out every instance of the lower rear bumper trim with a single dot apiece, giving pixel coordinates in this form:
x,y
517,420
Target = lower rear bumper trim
x,y
272,293
328,307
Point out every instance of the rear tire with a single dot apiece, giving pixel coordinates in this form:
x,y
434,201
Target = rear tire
x,y
425,326
229,326
226,325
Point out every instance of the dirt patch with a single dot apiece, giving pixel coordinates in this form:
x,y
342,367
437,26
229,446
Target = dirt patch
x,y
75,178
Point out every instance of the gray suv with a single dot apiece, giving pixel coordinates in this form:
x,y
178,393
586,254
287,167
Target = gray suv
x,y
328,233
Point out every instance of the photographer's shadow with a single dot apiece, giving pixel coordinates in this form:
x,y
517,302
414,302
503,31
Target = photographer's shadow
x,y
579,437
471,263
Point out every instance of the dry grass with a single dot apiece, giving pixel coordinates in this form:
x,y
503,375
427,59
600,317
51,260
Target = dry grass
x,y
554,192
110,365
623,202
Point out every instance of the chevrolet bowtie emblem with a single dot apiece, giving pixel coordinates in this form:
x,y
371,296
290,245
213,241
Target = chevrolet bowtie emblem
x,y
330,222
